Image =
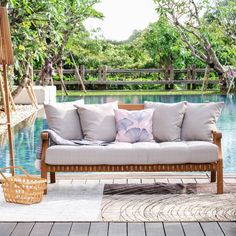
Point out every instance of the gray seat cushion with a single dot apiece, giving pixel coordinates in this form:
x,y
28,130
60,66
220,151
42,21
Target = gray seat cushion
x,y
136,153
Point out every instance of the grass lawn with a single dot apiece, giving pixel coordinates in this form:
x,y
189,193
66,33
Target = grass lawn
x,y
138,92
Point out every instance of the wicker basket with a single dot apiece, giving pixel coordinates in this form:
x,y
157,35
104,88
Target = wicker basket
x,y
22,189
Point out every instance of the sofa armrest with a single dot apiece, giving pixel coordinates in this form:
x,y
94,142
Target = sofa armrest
x,y
44,136
217,136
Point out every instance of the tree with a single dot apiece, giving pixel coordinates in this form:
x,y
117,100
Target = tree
x,y
185,15
44,30
224,14
163,43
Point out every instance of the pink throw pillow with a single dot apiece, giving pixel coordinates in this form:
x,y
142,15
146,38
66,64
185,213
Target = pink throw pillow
x,y
134,126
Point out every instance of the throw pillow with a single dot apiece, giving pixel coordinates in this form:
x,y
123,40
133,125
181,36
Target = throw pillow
x,y
63,119
98,121
199,121
134,126
167,120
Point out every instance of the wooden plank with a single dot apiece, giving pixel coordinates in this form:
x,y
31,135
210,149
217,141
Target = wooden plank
x,y
125,82
60,229
188,181
230,180
134,181
106,181
98,229
192,229
131,106
159,180
6,228
41,229
80,229
148,181
22,229
175,181
120,181
134,70
153,229
136,229
117,229
173,229
148,70
211,229
202,181
229,228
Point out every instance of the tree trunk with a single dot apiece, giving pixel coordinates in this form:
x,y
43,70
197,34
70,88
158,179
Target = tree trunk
x,y
24,82
205,79
46,74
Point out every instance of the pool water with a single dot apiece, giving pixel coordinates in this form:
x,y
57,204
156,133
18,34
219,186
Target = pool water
x,y
26,134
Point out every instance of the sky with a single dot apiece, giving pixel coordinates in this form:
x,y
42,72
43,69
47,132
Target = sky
x,y
122,17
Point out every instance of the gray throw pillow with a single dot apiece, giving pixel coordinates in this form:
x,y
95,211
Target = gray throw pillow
x,y
167,120
98,121
64,120
199,120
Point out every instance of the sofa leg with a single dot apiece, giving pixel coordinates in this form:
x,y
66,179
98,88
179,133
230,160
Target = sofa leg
x,y
52,177
213,176
220,177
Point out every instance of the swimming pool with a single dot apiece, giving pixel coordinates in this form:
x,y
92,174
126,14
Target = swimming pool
x,y
26,134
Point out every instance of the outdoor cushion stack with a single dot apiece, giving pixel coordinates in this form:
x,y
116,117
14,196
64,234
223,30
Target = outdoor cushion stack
x,y
159,134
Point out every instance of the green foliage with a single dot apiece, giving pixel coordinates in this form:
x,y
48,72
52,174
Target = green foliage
x,y
118,93
50,29
163,43
220,23
47,29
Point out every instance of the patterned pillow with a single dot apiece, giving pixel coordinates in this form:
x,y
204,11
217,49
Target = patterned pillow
x,y
134,126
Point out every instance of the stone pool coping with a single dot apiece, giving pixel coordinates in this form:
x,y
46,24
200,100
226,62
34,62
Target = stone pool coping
x,y
21,113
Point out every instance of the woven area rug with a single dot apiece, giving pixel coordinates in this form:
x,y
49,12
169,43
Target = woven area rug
x,y
166,202
125,202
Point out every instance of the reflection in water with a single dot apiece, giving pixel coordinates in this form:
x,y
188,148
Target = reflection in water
x,y
26,134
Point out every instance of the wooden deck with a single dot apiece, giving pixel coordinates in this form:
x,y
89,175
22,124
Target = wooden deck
x,y
144,178
128,229
121,229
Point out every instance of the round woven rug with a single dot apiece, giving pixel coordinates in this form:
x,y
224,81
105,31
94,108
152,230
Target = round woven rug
x,y
168,202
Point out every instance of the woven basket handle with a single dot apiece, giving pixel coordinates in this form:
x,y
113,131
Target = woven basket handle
x,y
11,167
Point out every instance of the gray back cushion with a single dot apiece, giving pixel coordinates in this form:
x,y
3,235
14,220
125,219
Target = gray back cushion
x,y
199,121
167,120
64,120
98,121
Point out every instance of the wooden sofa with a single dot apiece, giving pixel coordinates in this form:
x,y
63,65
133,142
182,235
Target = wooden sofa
x,y
216,168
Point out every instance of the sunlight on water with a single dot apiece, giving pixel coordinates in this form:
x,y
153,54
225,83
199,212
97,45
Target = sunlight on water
x,y
26,134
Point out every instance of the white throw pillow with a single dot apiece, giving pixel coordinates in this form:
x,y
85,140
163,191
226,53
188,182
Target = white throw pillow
x,y
167,120
64,120
199,121
98,121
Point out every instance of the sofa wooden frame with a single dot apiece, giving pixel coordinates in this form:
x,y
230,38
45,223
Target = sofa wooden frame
x,y
216,168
